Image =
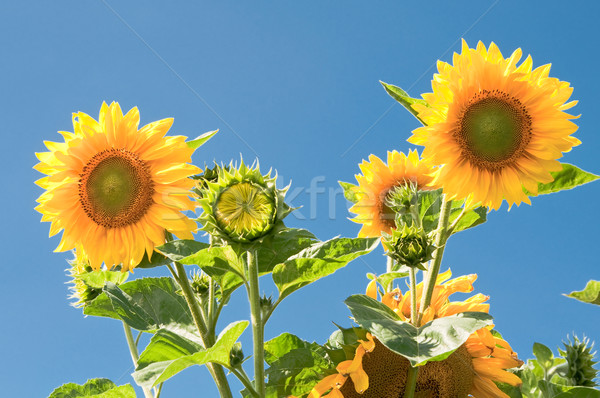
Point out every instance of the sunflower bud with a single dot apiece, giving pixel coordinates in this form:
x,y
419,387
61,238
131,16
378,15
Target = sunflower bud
x,y
409,246
236,355
580,360
200,284
242,205
402,198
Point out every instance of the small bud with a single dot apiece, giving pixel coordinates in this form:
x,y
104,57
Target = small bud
x,y
200,283
402,198
236,355
580,359
409,246
266,306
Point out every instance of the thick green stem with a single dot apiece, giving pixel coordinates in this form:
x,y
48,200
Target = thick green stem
x,y
243,377
258,331
134,355
434,269
411,382
216,370
414,316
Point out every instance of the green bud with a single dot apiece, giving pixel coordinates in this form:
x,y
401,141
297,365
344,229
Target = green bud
x,y
236,355
580,360
266,306
200,283
409,246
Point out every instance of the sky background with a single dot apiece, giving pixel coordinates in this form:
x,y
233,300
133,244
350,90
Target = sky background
x,y
296,85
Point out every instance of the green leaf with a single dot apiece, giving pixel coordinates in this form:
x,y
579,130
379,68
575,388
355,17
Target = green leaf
x,y
579,392
177,250
470,219
430,203
543,354
591,293
169,353
511,391
94,388
387,278
433,341
317,261
280,246
157,260
295,365
200,140
569,177
350,191
145,304
404,99
97,279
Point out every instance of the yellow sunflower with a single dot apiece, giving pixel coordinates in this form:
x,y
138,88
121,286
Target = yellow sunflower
x,y
377,180
375,371
114,189
495,127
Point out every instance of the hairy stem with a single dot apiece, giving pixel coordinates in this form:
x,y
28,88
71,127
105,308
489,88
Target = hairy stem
x,y
258,331
135,355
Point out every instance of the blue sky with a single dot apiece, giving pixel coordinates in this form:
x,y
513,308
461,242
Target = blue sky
x,y
296,85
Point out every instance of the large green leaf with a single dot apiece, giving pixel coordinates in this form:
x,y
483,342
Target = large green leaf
x,y
295,365
281,245
317,261
591,293
144,304
569,177
169,353
350,191
200,140
433,341
179,249
94,388
404,99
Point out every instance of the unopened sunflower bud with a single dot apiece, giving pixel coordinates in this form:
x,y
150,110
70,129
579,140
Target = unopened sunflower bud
x,y
200,283
409,246
266,306
236,355
242,205
402,198
580,360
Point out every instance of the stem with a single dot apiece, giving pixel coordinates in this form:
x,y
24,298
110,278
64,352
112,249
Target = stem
x,y
216,370
243,377
257,323
389,268
414,316
411,382
134,355
434,269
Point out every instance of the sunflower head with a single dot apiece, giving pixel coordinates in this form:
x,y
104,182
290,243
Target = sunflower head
x,y
242,205
379,183
375,371
495,127
114,189
409,246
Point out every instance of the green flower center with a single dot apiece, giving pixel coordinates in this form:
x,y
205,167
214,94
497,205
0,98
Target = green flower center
x,y
245,210
494,130
115,188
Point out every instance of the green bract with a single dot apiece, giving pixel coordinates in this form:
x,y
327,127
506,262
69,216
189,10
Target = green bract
x,y
242,205
409,246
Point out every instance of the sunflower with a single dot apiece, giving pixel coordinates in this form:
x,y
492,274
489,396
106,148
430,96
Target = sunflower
x,y
496,128
114,189
378,180
375,371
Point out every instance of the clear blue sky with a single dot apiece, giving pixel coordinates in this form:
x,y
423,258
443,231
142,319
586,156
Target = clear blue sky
x,y
298,82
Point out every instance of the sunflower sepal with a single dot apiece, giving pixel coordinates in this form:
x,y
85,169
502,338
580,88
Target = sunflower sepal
x,y
201,139
434,341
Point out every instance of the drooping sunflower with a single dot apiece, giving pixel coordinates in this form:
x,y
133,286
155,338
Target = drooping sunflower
x,y
378,180
495,128
375,371
114,189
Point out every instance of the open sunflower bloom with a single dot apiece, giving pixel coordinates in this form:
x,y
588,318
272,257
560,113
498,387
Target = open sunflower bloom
x,y
377,180
471,370
497,129
114,189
